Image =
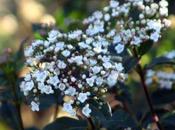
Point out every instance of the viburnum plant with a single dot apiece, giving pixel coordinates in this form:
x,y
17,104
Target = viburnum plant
x,y
82,68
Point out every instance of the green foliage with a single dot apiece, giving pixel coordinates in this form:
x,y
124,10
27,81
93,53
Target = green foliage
x,y
145,47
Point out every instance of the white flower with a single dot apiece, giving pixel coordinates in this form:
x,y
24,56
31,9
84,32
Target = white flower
x,y
67,107
66,53
112,78
53,80
117,39
98,14
53,35
89,40
96,69
73,79
166,84
90,81
28,51
163,11
48,89
70,91
62,86
107,65
95,29
27,86
83,45
86,110
155,36
34,106
75,34
114,3
61,64
37,43
82,97
40,75
119,67
119,48
107,17
163,3
155,25
78,60
99,81
59,46
136,41
27,77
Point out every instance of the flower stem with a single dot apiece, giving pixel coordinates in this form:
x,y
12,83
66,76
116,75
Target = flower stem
x,y
91,123
141,73
18,108
56,112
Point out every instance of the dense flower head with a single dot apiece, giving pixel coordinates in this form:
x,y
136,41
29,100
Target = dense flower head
x,y
80,64
130,22
76,65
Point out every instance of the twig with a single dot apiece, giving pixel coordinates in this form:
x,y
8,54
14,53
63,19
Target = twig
x,y
56,112
18,108
142,77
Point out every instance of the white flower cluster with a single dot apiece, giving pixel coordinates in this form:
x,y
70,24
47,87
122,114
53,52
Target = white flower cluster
x,y
164,79
77,65
135,21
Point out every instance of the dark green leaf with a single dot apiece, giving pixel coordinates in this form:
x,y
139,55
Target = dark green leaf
x,y
75,25
168,121
120,119
163,96
123,93
100,112
161,61
66,123
145,47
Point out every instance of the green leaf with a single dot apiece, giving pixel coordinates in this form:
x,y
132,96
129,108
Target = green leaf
x,y
120,119
75,25
168,121
66,123
160,61
123,93
38,36
145,47
100,112
163,96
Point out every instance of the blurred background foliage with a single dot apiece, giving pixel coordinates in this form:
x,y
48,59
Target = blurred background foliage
x,y
19,19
